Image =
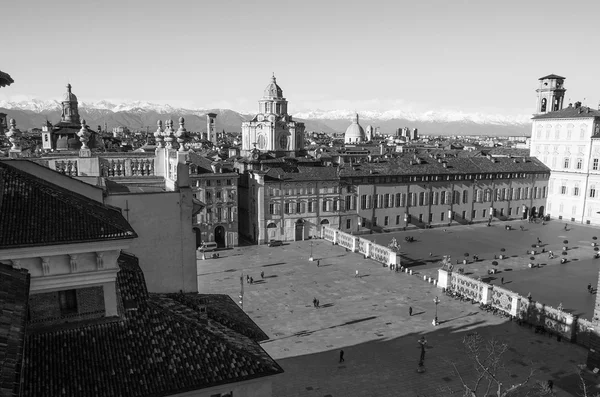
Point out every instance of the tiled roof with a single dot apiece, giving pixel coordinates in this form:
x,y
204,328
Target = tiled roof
x,y
14,295
162,348
225,311
37,212
569,113
291,172
551,76
203,164
429,166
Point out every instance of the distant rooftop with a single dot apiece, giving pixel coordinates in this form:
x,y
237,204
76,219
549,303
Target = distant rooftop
x,y
552,76
569,113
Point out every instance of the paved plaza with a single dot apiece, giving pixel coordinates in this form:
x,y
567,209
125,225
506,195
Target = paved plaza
x,y
551,283
368,317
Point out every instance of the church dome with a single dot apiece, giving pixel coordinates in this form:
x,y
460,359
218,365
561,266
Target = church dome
x,y
69,96
273,90
354,132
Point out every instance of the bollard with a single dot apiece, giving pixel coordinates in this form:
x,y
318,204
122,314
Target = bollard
x,y
430,279
410,272
424,278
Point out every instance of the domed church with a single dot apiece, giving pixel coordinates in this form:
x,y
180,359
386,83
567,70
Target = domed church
x,y
63,135
354,133
272,129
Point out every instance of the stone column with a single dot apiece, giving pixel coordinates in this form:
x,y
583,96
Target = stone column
x,y
393,259
354,244
335,237
514,306
368,249
486,294
110,299
444,278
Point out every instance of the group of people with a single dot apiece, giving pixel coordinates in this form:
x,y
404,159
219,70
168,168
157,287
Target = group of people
x,y
316,303
250,280
590,288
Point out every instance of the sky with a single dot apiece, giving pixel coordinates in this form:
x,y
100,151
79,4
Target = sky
x,y
470,56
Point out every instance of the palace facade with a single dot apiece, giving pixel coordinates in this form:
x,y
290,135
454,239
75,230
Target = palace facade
x,y
566,141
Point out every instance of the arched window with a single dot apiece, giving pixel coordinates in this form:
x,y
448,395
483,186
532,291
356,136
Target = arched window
x,y
569,130
579,163
271,225
566,162
557,131
262,142
548,128
582,130
543,105
283,142
324,222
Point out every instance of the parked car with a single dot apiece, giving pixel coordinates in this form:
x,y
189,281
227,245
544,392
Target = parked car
x,y
275,243
206,247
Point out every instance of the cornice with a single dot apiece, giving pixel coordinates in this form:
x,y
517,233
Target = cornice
x,y
63,249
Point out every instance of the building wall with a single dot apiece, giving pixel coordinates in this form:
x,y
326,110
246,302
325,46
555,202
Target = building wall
x,y
278,224
166,243
567,148
206,187
423,202
45,307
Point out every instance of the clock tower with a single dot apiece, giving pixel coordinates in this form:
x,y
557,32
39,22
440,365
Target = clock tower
x,y
551,94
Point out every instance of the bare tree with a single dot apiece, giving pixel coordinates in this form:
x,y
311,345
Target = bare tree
x,y
486,357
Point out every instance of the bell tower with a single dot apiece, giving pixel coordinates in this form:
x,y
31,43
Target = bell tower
x,y
70,111
550,94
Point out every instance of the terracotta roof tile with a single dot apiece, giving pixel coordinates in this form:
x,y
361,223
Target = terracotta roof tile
x,y
569,113
162,348
455,165
14,295
37,212
292,172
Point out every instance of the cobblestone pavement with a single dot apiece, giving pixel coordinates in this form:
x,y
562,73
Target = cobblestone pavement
x,y
368,318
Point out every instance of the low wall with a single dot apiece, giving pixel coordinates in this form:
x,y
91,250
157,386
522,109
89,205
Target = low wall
x,y
363,246
553,320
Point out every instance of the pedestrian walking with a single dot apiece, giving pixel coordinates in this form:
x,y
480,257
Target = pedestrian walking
x,y
521,227
550,384
565,227
262,274
539,241
356,275
318,262
341,356
251,280
589,287
502,280
318,303
247,278
314,302
410,311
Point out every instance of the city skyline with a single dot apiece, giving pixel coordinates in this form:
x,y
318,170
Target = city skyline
x,y
327,56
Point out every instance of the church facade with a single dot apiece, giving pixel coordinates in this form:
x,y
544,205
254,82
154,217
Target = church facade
x,y
272,129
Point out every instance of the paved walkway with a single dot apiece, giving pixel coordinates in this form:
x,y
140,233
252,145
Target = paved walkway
x,y
368,318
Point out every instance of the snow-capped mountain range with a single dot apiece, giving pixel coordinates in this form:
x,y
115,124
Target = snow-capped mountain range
x,y
140,114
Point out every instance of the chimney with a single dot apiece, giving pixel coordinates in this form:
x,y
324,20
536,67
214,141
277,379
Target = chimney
x,y
515,161
444,164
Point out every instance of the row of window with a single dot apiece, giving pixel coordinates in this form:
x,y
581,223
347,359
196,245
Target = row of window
x,y
213,182
216,214
557,131
561,209
434,178
310,206
446,197
578,165
303,190
443,217
219,195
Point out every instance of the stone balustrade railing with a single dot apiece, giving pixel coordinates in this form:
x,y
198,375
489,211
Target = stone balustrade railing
x,y
363,246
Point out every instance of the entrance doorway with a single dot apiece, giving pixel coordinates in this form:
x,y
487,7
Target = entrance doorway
x,y
533,212
541,211
220,236
525,213
299,236
198,237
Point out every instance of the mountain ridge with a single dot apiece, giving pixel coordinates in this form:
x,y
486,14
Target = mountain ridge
x,y
140,115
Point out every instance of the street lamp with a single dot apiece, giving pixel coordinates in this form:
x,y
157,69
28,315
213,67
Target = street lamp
x,y
449,217
310,259
436,300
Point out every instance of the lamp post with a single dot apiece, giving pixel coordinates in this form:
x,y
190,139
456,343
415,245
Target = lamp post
x,y
449,217
310,259
405,220
436,300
